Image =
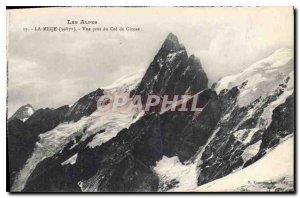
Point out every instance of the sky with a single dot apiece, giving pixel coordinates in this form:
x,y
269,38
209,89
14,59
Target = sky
x,y
51,69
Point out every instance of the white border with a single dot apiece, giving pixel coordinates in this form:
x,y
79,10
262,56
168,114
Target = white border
x,y
152,3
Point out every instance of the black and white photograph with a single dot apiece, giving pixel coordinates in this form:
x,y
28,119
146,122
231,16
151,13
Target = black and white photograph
x,y
151,99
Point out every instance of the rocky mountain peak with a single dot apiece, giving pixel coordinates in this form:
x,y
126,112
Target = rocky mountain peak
x,y
171,44
23,113
172,37
172,71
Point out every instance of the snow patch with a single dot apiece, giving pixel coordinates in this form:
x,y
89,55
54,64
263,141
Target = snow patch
x,y
171,169
251,151
71,160
29,110
171,56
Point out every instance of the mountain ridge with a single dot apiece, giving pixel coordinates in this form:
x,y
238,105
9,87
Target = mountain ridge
x,y
128,152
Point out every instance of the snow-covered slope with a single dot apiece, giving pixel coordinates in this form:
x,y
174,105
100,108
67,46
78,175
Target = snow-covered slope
x,y
275,171
260,78
125,83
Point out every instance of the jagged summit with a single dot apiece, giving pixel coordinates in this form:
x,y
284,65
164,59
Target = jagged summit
x,y
172,37
171,44
172,71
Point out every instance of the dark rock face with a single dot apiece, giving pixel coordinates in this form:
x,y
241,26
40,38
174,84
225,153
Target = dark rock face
x,y
23,113
23,136
19,140
173,72
85,106
282,124
46,119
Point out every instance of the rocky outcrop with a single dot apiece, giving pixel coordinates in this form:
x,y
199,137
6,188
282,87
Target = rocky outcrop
x,y
46,119
85,106
282,124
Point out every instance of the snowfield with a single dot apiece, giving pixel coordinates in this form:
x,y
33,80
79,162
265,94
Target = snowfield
x,y
262,77
71,160
125,83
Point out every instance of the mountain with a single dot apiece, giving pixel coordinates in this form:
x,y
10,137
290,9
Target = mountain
x,y
244,119
23,113
122,138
